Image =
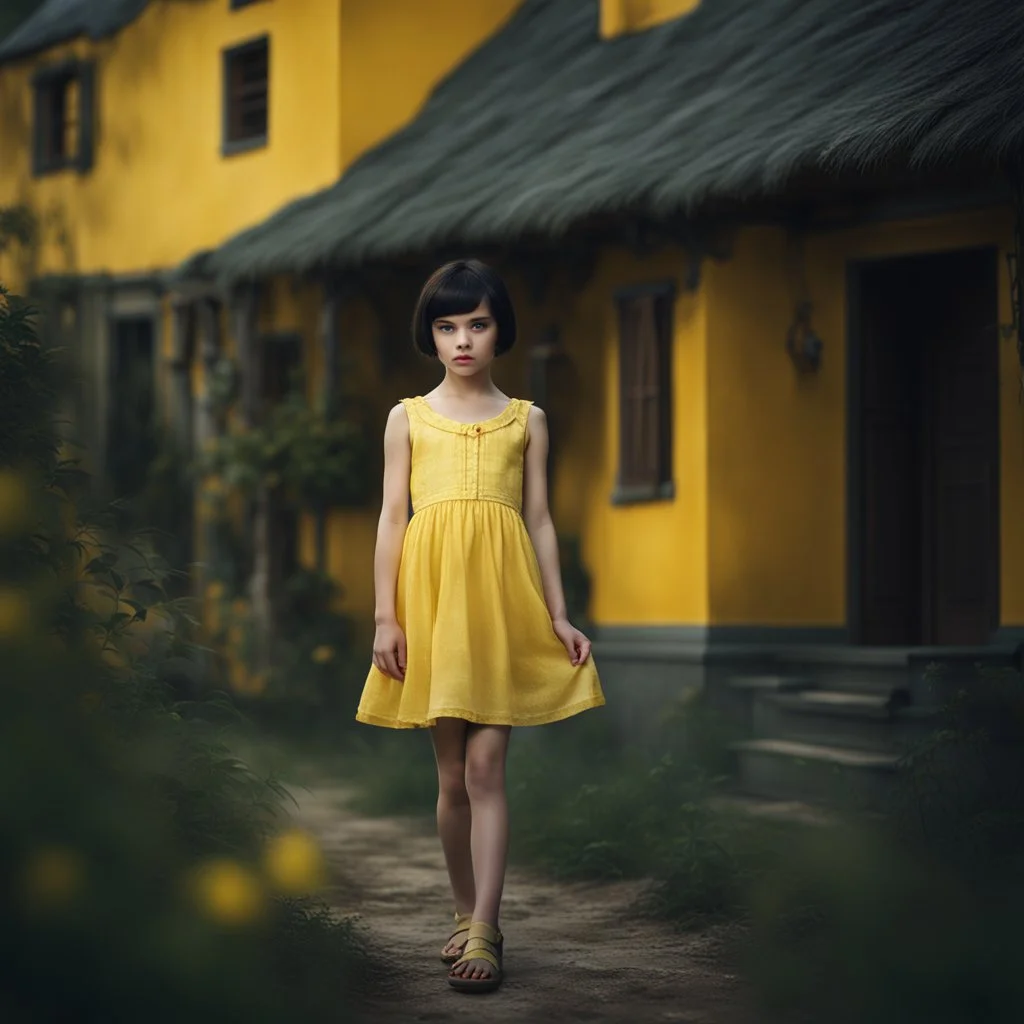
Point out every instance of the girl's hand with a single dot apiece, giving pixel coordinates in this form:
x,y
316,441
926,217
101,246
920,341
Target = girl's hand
x,y
575,642
389,650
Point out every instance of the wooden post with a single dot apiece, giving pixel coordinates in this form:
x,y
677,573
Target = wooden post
x,y
542,355
243,317
328,330
244,310
206,342
180,366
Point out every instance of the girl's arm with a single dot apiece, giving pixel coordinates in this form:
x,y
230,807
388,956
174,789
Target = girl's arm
x,y
389,641
537,515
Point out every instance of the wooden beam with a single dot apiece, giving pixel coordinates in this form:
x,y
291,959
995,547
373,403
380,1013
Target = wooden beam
x,y
244,308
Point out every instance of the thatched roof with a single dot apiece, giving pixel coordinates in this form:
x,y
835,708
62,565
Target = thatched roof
x,y
546,124
57,21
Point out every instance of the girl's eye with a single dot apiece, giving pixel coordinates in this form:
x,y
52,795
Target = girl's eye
x,y
444,328
480,326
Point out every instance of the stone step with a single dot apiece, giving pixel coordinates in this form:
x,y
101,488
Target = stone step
x,y
869,721
853,669
736,698
771,683
816,773
790,811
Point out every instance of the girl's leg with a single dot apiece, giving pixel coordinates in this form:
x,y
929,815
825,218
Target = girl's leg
x,y
486,750
453,814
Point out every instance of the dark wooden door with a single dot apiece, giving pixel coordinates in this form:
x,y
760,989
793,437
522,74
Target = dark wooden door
x,y
963,471
891,485
929,467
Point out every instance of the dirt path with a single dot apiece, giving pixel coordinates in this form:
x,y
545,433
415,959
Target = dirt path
x,y
573,952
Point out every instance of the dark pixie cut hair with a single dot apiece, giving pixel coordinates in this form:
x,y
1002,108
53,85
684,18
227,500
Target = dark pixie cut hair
x,y
458,288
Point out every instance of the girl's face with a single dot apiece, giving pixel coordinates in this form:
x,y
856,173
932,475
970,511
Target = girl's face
x,y
465,342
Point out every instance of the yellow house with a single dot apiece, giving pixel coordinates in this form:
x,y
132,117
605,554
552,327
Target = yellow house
x,y
765,263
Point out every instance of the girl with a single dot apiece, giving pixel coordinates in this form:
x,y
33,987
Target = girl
x,y
472,635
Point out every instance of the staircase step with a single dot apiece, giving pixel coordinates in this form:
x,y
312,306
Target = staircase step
x,y
792,770
851,669
870,721
790,811
736,698
771,683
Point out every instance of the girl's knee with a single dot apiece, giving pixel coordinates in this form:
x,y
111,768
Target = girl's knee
x,y
484,776
452,782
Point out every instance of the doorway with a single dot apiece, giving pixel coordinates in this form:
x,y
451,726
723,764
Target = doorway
x,y
131,434
924,556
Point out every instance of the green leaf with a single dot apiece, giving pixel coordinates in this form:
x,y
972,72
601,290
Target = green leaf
x,y
140,609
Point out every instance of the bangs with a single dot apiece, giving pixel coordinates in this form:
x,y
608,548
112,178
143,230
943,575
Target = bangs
x,y
461,293
459,288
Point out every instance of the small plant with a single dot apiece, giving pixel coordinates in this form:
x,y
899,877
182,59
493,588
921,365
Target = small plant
x,y
312,460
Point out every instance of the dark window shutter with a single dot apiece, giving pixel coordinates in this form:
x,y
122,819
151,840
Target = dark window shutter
x,y
645,414
663,424
86,116
246,71
38,128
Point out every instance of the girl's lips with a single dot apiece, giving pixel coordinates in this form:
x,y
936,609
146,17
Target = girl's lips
x,y
463,359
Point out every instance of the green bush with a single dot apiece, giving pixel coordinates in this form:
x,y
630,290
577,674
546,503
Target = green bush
x,y
143,871
314,460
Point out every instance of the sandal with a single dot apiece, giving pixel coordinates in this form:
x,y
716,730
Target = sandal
x,y
462,923
484,943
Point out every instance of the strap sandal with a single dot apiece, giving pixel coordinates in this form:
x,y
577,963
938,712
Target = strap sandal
x,y
462,923
484,943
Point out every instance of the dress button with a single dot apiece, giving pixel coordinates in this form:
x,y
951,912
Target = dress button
x,y
477,429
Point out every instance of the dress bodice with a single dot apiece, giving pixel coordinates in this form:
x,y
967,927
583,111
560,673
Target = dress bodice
x,y
454,461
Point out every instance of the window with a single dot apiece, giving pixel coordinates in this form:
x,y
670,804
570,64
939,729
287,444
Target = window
x,y
235,4
246,95
645,393
62,118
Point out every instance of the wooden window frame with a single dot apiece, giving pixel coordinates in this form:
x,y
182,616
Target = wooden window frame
x,y
229,143
646,316
45,82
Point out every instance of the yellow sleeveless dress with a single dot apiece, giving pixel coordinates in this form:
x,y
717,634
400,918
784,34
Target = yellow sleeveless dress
x,y
478,634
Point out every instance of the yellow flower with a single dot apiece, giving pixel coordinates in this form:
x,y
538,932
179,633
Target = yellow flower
x,y
294,863
52,876
322,654
228,892
15,504
256,683
15,612
240,606
215,591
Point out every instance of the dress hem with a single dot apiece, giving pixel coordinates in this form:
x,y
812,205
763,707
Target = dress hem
x,y
368,718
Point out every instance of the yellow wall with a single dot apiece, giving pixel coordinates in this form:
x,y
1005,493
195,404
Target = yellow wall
x,y
648,561
344,74
393,52
159,188
777,444
621,16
